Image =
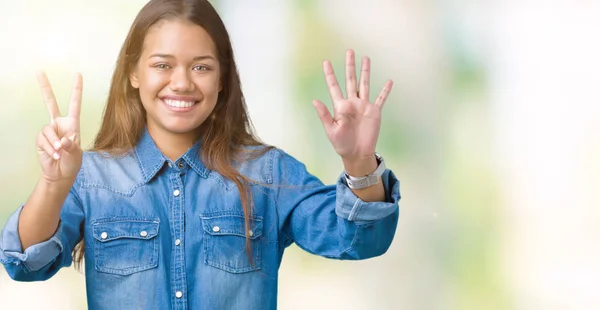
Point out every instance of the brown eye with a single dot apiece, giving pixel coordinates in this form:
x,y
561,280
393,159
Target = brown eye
x,y
162,66
200,68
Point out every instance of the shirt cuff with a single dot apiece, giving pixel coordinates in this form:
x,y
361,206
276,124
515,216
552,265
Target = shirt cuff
x,y
36,256
350,207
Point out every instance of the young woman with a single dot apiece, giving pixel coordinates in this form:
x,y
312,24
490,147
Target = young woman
x,y
178,205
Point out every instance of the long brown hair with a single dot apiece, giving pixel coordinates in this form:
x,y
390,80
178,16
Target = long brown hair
x,y
225,134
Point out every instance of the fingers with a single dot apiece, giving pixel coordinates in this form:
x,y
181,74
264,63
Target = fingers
x,y
44,144
48,95
72,150
385,91
69,145
365,76
350,74
50,134
75,103
324,114
334,88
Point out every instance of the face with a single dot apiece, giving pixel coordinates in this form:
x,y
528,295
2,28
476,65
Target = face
x,y
178,77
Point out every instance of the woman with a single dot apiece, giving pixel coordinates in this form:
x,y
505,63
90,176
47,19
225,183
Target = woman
x,y
178,205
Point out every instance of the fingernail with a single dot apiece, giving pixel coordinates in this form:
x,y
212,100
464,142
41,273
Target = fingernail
x,y
57,145
56,156
72,137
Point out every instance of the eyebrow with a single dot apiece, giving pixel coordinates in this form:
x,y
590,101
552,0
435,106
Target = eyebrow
x,y
203,57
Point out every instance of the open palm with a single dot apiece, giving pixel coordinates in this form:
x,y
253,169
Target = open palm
x,y
353,129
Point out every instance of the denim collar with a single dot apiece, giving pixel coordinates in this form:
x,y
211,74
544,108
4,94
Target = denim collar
x,y
150,159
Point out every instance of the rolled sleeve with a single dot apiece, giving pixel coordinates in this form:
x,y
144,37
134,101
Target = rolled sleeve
x,y
34,257
352,208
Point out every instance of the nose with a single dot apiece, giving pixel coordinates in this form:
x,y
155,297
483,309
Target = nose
x,y
181,82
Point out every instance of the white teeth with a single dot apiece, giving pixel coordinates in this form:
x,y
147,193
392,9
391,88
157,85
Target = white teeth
x,y
179,104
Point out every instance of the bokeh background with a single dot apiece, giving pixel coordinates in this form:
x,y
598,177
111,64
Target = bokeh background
x,y
493,128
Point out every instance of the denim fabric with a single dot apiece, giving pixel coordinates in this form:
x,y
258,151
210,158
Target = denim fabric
x,y
171,235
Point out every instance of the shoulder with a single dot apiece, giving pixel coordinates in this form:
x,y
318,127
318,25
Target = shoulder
x,y
265,163
282,167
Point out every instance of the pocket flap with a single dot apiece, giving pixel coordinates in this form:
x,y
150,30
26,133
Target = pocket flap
x,y
115,228
232,225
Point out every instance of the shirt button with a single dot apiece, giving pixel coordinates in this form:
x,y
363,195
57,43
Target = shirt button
x,y
216,228
104,235
179,294
176,192
250,233
180,164
143,233
177,242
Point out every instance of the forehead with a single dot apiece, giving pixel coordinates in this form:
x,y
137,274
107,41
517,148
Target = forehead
x,y
179,38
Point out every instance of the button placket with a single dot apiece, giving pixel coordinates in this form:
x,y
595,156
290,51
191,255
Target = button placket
x,y
178,207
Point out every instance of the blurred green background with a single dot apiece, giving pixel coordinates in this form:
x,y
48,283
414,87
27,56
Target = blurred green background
x,y
492,128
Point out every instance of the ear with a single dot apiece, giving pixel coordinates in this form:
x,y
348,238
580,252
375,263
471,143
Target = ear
x,y
133,79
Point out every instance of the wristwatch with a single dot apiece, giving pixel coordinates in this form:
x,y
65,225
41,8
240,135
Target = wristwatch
x,y
369,179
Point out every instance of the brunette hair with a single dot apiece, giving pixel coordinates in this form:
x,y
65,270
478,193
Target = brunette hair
x,y
226,133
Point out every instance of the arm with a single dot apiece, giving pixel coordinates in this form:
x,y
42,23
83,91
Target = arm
x,y
41,256
353,129
335,221
34,238
40,216
330,220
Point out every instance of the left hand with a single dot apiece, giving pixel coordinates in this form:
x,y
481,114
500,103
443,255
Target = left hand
x,y
353,129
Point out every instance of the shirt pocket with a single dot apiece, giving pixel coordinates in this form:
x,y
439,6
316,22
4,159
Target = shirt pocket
x,y
225,242
125,245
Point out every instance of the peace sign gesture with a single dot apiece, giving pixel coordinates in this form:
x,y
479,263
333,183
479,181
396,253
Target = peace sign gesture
x,y
58,143
353,129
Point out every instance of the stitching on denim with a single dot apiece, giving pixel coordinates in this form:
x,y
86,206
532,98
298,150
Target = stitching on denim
x,y
124,193
217,177
119,219
139,163
355,209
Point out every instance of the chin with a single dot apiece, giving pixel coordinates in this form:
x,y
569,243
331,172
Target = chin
x,y
182,128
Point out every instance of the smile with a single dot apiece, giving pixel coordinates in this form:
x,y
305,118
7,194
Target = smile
x,y
179,103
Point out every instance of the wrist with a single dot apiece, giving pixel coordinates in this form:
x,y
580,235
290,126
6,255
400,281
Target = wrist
x,y
364,179
360,167
54,187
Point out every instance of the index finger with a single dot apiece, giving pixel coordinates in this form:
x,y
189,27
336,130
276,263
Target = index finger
x,y
48,95
75,103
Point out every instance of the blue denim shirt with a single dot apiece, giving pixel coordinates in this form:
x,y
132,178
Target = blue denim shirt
x,y
171,235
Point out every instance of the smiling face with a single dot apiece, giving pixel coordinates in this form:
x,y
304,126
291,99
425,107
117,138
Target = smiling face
x,y
178,77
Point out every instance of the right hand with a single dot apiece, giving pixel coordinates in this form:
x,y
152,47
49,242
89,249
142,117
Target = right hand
x,y
59,143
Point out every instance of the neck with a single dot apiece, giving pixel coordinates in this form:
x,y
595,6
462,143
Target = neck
x,y
173,145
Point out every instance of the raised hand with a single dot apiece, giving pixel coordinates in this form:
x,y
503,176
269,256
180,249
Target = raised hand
x,y
58,143
353,129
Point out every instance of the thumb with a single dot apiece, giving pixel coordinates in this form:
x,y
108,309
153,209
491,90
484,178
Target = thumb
x,y
70,146
324,114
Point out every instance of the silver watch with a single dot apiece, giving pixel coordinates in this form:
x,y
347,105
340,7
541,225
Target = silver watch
x,y
369,179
